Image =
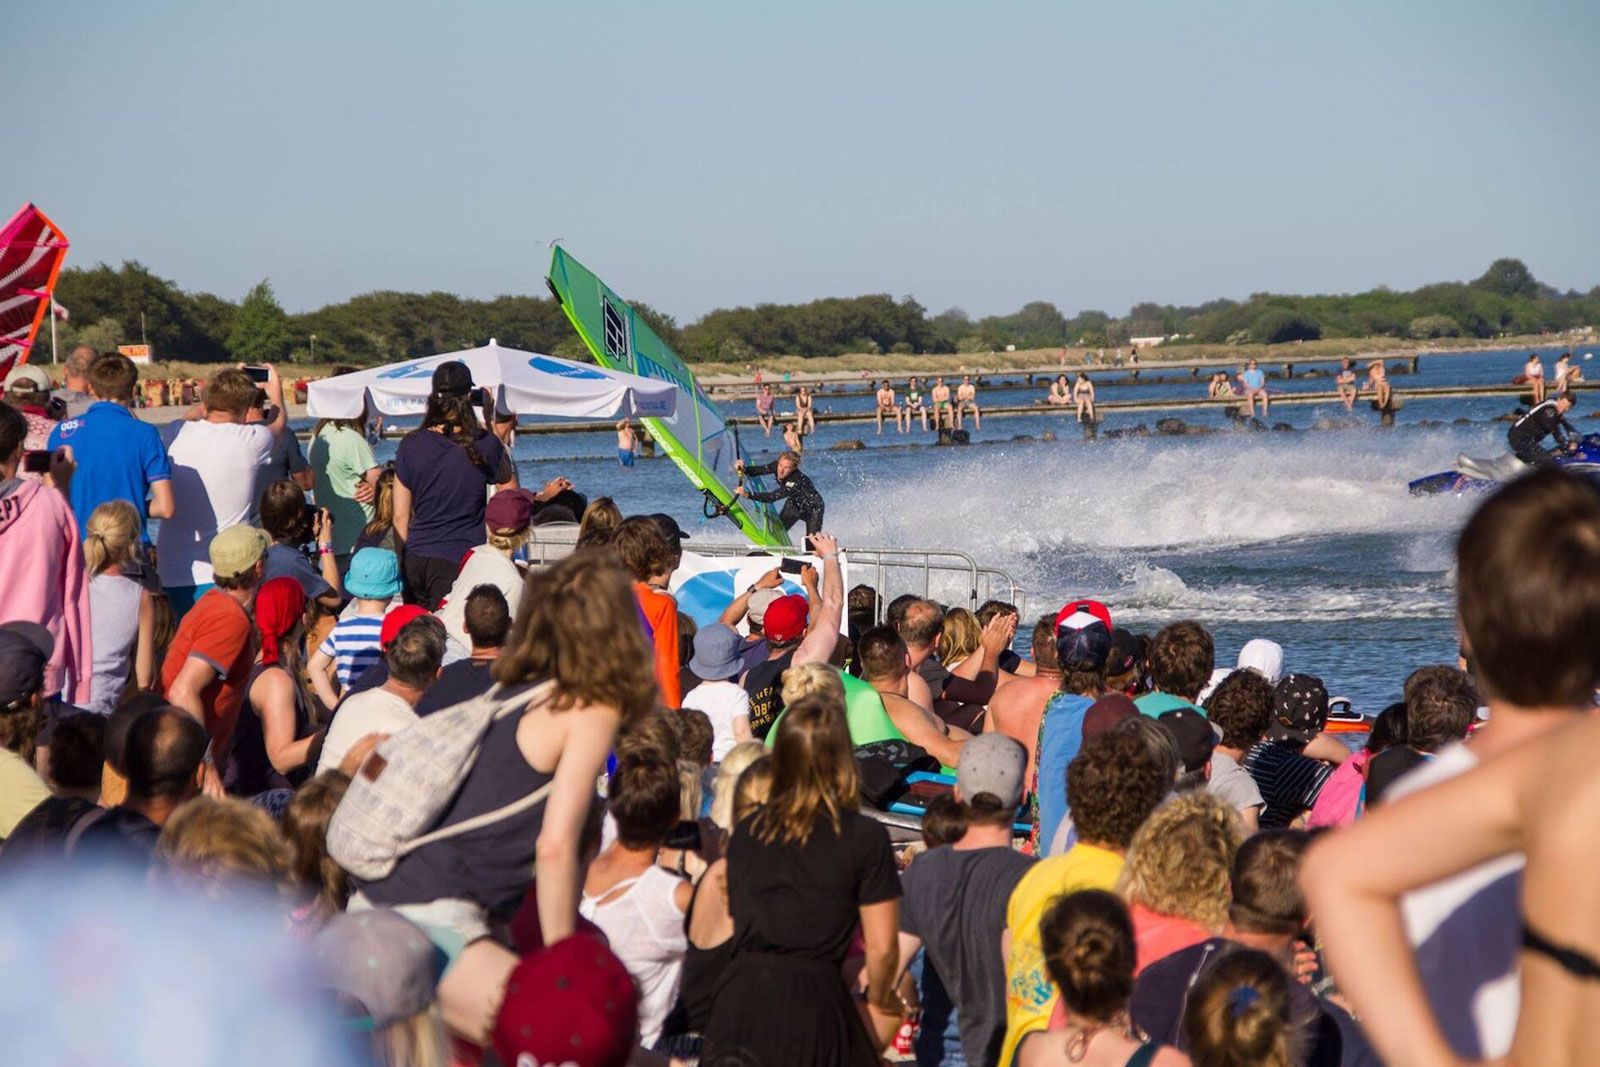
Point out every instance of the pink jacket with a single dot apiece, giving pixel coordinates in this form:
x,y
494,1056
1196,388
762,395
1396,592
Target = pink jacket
x,y
42,580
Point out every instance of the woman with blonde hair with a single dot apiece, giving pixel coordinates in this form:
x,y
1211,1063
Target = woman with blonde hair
x,y
579,654
1176,878
601,514
1238,1014
812,679
961,637
803,872
379,532
508,529
733,765
121,612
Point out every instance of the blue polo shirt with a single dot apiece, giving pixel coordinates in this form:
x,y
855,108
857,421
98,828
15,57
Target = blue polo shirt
x,y
118,458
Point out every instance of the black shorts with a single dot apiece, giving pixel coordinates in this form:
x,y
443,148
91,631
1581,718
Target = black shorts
x,y
428,580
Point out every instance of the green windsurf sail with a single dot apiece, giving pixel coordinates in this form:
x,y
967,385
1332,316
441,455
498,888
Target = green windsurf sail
x,y
700,441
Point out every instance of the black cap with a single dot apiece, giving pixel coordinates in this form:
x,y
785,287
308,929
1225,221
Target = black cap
x,y
1300,705
1124,654
668,525
1193,734
452,379
25,648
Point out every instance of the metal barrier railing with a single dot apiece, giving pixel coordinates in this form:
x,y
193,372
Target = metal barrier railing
x,y
977,582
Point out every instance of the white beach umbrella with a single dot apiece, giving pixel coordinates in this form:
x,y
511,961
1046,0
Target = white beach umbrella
x,y
523,383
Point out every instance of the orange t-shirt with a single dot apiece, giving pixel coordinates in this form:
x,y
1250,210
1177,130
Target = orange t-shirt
x,y
217,630
661,612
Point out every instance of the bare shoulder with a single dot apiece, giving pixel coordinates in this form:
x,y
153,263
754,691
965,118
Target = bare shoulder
x,y
1170,1057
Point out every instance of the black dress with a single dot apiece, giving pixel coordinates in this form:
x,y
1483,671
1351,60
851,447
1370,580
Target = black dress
x,y
782,999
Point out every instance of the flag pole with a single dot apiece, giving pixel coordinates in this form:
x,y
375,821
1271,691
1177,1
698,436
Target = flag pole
x,y
52,328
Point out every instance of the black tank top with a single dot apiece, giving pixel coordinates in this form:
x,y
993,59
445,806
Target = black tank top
x,y
247,771
492,865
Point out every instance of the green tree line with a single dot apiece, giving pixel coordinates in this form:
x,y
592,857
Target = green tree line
x,y
111,306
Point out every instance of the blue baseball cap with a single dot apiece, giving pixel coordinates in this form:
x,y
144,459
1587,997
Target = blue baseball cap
x,y
1083,635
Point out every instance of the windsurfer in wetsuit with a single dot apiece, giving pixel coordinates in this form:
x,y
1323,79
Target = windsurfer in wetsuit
x,y
801,501
1527,434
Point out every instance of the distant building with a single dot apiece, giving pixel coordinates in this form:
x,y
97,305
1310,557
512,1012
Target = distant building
x,y
1146,342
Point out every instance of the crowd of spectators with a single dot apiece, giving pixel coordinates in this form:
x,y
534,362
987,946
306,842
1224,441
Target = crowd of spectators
x,y
827,829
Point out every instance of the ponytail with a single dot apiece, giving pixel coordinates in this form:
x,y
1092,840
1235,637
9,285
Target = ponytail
x,y
1238,1014
113,531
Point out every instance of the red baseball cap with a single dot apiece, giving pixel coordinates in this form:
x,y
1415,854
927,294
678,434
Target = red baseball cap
x,y
573,1002
785,619
1077,614
398,620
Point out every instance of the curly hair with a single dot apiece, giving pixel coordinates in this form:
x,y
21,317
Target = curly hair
x,y
812,679
1113,784
1181,658
19,728
1241,705
1180,860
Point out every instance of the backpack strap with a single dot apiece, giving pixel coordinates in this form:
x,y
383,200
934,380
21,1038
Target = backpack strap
x,y
488,818
80,827
517,705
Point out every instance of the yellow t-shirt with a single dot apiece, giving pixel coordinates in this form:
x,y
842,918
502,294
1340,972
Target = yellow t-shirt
x,y
21,790
1030,995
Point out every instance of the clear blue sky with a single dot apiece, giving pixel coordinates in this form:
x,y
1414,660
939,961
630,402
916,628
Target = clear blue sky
x,y
701,155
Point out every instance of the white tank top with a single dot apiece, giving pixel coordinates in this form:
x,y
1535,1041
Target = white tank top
x,y
114,637
645,929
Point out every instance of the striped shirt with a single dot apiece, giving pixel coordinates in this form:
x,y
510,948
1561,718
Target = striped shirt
x,y
353,646
1289,782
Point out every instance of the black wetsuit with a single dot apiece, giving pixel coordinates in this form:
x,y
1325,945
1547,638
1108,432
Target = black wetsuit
x,y
1527,434
801,501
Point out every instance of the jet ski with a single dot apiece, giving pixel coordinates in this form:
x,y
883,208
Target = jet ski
x,y
1473,474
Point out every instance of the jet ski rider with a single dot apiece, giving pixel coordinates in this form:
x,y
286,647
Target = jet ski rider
x,y
1527,434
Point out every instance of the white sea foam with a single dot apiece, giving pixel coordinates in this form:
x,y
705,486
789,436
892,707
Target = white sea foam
x,y
1154,495
1248,519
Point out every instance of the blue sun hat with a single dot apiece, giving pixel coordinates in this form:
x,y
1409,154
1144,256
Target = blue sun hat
x,y
374,575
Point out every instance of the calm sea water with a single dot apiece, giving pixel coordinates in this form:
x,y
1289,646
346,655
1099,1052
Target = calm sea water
x,y
1309,539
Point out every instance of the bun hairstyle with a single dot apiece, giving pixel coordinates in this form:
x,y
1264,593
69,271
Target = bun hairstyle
x,y
1088,949
1238,1014
112,533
